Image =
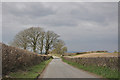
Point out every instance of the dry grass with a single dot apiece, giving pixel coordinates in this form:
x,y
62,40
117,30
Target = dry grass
x,y
98,55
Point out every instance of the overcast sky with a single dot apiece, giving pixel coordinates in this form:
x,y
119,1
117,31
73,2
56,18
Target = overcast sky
x,y
83,26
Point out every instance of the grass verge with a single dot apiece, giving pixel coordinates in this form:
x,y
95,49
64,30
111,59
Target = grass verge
x,y
31,72
105,72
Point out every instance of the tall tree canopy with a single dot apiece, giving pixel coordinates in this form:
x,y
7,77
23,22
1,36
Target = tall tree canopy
x,y
59,47
50,38
37,40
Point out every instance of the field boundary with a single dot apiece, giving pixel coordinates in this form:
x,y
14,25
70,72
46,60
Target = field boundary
x,y
14,59
97,70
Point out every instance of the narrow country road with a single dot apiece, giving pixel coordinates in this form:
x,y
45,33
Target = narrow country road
x,y
59,69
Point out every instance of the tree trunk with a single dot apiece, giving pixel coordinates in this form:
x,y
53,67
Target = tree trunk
x,y
41,49
46,52
34,48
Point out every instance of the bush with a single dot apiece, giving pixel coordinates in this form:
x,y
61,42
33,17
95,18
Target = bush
x,y
110,62
14,59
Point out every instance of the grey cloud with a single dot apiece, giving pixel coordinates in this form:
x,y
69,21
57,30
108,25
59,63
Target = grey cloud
x,y
0,22
79,24
26,9
37,13
96,12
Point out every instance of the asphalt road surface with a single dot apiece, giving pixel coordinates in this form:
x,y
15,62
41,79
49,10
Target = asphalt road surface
x,y
59,69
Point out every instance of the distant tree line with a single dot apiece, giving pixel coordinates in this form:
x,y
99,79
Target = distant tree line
x,y
37,40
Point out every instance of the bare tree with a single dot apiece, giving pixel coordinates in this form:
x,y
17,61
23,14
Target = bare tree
x,y
36,39
35,34
21,40
29,38
64,49
50,39
59,47
40,45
